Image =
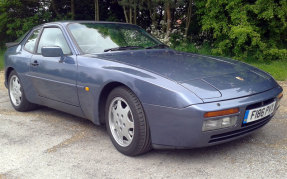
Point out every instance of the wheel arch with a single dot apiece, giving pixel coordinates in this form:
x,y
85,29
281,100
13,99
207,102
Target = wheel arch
x,y
103,98
7,74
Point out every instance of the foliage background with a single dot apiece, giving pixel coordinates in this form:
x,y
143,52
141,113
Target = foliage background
x,y
250,30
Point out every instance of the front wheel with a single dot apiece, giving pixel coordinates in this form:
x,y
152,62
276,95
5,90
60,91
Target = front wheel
x,y
126,122
16,94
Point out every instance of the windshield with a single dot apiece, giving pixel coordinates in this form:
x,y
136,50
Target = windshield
x,y
104,37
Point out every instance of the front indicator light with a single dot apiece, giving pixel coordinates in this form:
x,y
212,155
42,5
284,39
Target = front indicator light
x,y
280,96
213,124
221,113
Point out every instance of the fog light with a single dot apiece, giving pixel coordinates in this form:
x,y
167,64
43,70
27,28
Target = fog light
x,y
224,122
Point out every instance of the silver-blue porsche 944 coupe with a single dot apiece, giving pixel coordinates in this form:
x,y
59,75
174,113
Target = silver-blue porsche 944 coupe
x,y
147,94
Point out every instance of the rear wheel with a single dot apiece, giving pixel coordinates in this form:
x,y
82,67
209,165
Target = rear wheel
x,y
126,122
17,95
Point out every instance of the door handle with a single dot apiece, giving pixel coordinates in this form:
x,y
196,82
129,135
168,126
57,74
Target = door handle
x,y
35,63
61,60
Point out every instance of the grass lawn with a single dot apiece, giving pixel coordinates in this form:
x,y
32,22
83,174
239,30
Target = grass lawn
x,y
278,69
2,59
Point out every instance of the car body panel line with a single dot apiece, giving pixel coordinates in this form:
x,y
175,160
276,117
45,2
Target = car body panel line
x,y
46,79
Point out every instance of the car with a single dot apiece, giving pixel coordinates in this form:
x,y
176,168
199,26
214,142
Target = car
x,y
148,95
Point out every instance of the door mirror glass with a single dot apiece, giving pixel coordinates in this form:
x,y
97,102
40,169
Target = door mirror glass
x,y
52,51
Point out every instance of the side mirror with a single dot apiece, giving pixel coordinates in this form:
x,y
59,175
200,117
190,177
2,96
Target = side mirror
x,y
52,51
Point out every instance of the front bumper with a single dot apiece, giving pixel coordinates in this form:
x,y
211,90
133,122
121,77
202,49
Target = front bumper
x,y
182,128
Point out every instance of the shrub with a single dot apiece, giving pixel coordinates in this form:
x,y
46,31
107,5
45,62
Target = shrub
x,y
243,29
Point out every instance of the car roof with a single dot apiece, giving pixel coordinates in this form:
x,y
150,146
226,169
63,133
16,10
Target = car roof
x,y
66,22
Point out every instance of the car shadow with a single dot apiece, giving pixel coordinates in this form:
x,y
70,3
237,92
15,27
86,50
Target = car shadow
x,y
81,124
224,147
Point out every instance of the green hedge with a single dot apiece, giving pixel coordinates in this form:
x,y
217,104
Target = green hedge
x,y
246,29
2,51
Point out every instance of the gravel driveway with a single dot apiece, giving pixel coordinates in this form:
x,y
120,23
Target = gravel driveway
x,y
50,144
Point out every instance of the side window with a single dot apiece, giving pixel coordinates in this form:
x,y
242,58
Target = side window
x,y
53,37
31,42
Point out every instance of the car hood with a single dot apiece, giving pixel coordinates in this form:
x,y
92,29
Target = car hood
x,y
210,78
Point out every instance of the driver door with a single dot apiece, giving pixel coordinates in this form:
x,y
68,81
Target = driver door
x,y
53,78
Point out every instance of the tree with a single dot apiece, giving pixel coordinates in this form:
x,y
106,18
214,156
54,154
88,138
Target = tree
x,y
97,13
62,9
130,10
239,28
246,29
55,9
73,9
168,17
152,7
19,16
188,16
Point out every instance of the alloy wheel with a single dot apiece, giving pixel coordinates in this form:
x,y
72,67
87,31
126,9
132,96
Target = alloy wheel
x,y
15,90
121,121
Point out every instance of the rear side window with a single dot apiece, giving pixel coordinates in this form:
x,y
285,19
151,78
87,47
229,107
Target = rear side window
x,y
31,42
52,37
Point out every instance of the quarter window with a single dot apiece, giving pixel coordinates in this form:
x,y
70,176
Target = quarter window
x,y
53,37
30,44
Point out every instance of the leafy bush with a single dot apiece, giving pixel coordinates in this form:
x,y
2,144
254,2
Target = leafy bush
x,y
2,51
245,29
17,17
204,49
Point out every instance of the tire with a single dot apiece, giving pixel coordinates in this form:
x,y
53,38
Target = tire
x,y
126,122
17,95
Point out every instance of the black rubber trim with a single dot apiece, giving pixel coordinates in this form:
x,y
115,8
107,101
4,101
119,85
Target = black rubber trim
x,y
242,131
260,104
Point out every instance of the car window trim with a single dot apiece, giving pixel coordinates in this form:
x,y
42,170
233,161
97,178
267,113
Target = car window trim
x,y
40,35
37,42
73,39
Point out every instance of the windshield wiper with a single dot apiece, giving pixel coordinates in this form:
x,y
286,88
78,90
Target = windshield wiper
x,y
122,48
158,46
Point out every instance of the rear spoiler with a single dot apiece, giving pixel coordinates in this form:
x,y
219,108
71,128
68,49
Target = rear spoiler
x,y
11,44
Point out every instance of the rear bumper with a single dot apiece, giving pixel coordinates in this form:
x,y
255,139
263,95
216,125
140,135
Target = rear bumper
x,y
182,128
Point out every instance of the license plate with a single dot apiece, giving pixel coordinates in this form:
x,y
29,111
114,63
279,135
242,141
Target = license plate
x,y
259,113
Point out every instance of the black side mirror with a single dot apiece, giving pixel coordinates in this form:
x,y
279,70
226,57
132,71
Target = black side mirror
x,y
52,51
